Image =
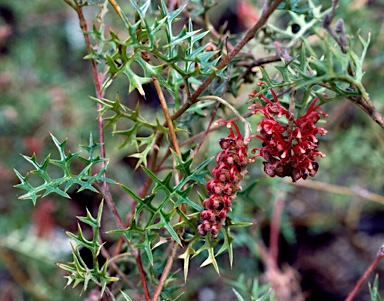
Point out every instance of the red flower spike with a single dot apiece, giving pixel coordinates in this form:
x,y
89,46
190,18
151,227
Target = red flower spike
x,y
287,151
227,175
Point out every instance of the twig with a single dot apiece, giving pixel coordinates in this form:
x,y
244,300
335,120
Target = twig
x,y
367,106
340,190
360,282
334,5
247,126
95,74
104,186
256,63
338,34
215,110
136,253
205,133
198,135
118,10
71,4
109,294
259,61
249,34
167,116
105,253
175,143
166,271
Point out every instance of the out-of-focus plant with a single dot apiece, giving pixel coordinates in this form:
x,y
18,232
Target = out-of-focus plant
x,y
180,210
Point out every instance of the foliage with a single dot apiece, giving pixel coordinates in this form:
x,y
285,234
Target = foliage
x,y
78,268
84,179
374,290
152,238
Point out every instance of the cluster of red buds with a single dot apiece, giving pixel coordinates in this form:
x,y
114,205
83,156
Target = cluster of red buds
x,y
227,175
288,149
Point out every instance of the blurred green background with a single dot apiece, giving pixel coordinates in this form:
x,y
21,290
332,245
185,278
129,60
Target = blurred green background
x,y
332,233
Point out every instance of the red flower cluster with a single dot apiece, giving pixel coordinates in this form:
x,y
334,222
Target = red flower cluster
x,y
288,151
228,173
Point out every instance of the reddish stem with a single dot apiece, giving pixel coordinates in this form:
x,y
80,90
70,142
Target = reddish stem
x,y
266,12
104,186
206,131
213,116
166,271
359,283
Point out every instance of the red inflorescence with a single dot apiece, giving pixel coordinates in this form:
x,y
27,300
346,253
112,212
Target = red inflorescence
x,y
230,170
288,151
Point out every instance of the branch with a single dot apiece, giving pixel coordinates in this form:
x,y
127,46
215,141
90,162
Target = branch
x,y
360,282
69,2
365,103
95,74
118,10
201,134
213,116
247,126
259,61
266,12
338,34
358,191
166,271
104,186
106,254
168,119
136,253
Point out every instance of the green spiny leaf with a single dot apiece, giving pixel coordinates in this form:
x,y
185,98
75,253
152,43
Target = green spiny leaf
x,y
32,193
135,81
40,169
146,244
197,176
184,167
103,278
142,156
141,10
65,160
211,260
80,239
143,204
79,272
93,222
186,256
182,197
227,245
165,219
126,297
238,296
52,185
209,247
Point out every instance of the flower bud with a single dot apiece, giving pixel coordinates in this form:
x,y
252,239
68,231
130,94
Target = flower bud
x,y
230,170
